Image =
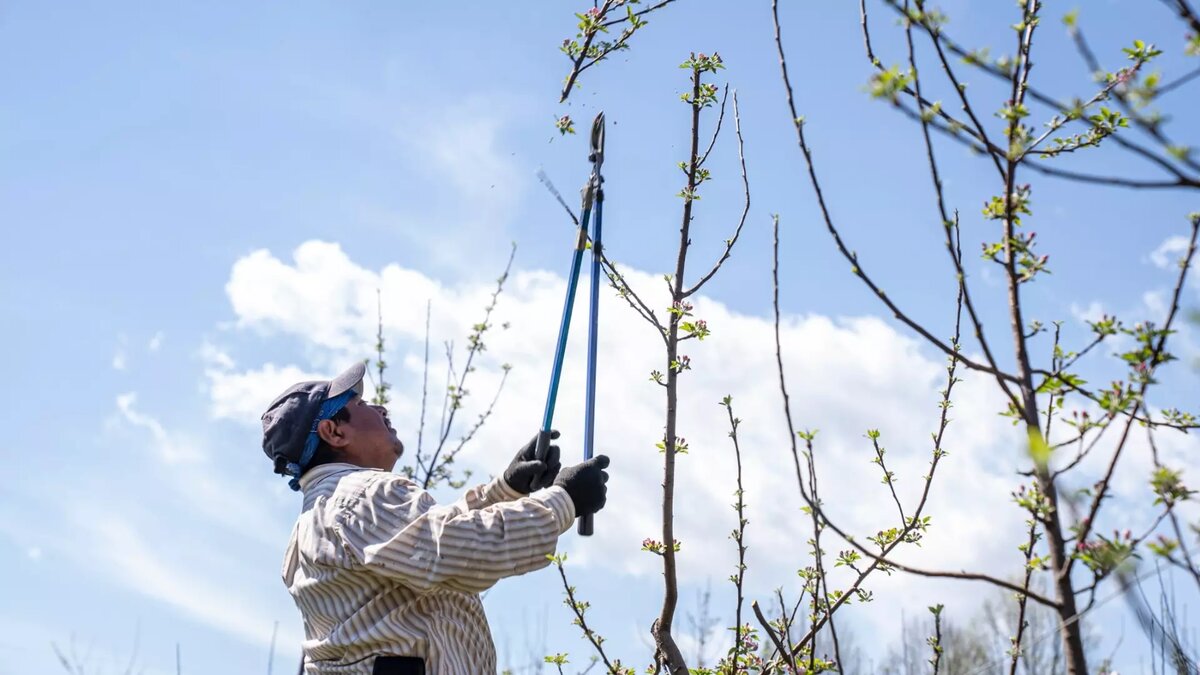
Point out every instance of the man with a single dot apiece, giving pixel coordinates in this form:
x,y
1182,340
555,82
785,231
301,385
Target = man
x,y
388,581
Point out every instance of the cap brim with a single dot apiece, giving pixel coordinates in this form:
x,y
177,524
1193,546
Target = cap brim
x,y
351,378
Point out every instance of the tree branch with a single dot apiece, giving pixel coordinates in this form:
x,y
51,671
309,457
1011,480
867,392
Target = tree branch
x,y
1153,362
729,243
577,62
948,225
579,609
762,620
717,131
738,535
850,256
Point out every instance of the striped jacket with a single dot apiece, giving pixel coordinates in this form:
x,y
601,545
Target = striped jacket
x,y
377,567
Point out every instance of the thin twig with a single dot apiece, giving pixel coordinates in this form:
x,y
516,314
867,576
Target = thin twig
x,y
616,279
889,478
577,608
1022,601
1185,12
474,346
1114,181
729,243
1181,179
449,457
717,130
948,225
762,620
1151,127
1101,490
959,88
849,255
577,62
785,624
424,382
545,180
1188,564
1178,82
739,534
936,661
635,302
821,589
656,6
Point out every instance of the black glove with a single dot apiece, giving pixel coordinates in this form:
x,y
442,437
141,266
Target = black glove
x,y
586,484
526,473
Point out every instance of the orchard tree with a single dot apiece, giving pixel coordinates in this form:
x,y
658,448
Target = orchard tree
x,y
1027,134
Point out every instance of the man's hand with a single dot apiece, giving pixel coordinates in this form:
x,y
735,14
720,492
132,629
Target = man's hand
x,y
585,483
526,470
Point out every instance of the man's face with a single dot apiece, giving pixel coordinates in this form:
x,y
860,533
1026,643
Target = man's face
x,y
368,438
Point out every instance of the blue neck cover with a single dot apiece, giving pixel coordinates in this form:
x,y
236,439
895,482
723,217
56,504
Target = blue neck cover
x,y
328,409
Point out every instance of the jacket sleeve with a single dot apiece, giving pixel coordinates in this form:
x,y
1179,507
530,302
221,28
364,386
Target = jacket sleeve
x,y
399,531
494,491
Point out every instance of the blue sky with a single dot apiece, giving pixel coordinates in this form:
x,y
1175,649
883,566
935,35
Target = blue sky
x,y
201,201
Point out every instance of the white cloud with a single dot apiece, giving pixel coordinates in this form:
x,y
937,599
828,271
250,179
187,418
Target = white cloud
x,y
117,549
243,396
34,553
1156,305
1169,253
474,184
1092,312
169,449
156,341
200,484
461,142
846,375
215,357
120,359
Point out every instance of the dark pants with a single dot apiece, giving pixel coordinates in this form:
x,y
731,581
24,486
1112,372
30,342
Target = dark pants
x,y
399,665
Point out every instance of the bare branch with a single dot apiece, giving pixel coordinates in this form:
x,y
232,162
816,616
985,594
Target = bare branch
x,y
1181,179
441,468
888,478
1178,82
729,243
739,534
424,381
762,620
474,346
545,180
1022,599
1101,490
948,225
579,610
1151,127
849,255
1185,12
640,13
1188,565
716,131
616,279
959,87
626,292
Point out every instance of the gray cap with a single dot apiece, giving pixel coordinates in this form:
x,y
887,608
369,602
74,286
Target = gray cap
x,y
290,417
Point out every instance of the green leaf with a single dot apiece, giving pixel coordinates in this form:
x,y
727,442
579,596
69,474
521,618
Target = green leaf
x,y
889,83
1039,449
